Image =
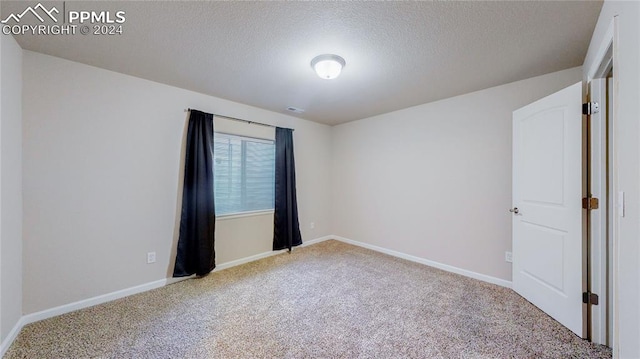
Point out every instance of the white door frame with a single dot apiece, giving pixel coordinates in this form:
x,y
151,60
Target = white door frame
x,y
598,217
596,87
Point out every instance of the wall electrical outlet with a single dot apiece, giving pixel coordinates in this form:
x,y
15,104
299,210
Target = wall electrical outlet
x,y
508,257
151,257
312,225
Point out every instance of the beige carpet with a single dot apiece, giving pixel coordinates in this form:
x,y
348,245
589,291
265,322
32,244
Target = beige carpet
x,y
328,300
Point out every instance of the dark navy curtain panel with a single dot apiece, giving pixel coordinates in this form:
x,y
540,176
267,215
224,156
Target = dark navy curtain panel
x,y
286,231
196,253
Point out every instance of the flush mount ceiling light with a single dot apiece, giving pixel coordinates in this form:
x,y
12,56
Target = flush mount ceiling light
x,y
328,66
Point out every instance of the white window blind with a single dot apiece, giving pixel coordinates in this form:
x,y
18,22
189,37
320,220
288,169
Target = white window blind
x,y
244,174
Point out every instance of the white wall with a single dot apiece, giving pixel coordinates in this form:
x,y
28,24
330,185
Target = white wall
x,y
102,180
10,185
434,181
627,151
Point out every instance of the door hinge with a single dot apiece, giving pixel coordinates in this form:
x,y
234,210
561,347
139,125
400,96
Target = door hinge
x,y
590,203
590,298
590,108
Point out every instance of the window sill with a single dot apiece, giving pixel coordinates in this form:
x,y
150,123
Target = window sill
x,y
223,217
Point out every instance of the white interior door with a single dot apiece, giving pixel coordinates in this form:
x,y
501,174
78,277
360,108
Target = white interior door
x,y
547,192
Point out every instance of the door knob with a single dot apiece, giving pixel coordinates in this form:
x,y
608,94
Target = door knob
x,y
514,210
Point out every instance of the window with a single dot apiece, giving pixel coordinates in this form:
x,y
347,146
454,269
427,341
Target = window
x,y
244,174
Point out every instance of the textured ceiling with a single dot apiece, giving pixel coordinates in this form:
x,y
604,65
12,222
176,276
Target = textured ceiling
x,y
398,54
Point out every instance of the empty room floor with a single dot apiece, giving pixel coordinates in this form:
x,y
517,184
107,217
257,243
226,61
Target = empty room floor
x,y
328,300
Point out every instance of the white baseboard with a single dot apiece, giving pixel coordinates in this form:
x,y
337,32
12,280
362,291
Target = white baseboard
x,y
13,334
244,260
89,302
256,257
67,308
178,279
446,267
317,240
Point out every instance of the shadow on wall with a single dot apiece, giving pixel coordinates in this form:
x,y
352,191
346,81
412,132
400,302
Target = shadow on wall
x,y
173,251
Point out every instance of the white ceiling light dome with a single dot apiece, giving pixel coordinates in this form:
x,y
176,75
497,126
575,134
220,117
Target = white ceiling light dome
x,y
328,66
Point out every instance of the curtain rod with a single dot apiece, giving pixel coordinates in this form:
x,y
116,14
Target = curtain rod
x,y
239,119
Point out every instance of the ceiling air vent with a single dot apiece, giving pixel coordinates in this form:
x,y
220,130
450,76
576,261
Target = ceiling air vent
x,y
295,109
